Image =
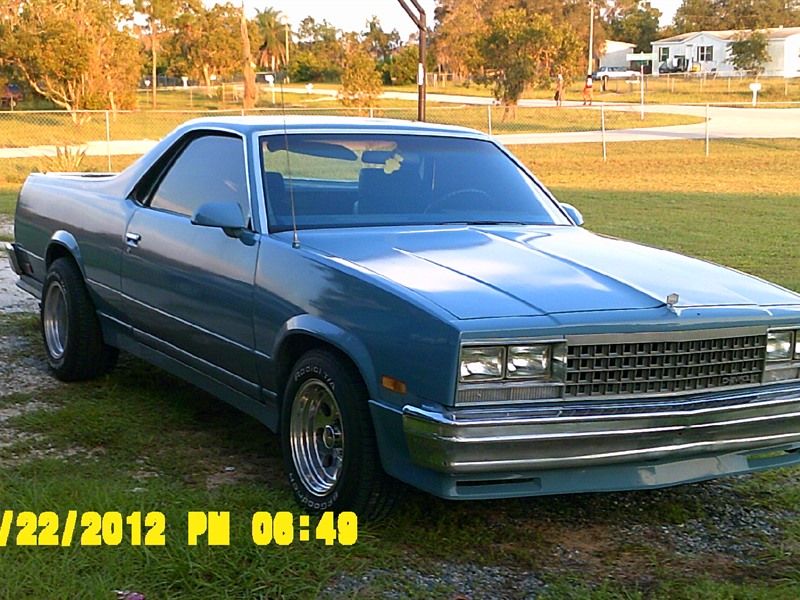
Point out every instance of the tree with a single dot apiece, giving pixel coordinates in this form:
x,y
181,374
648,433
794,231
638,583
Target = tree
x,y
206,42
749,51
157,11
522,49
713,15
361,82
459,28
272,47
379,43
404,65
74,53
636,24
320,54
250,94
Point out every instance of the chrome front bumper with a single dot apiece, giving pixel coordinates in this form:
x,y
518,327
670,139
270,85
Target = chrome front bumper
x,y
481,441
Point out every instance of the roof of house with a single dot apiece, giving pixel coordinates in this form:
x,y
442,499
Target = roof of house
x,y
773,33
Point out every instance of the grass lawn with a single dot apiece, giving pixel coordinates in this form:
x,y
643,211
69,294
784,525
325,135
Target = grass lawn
x,y
57,128
672,89
139,440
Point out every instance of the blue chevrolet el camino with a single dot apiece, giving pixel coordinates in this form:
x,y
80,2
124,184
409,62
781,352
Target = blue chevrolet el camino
x,y
405,302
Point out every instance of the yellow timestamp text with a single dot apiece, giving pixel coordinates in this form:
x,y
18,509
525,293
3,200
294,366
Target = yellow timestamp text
x,y
89,528
282,528
48,528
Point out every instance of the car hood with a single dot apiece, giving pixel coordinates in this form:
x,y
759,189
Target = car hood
x,y
478,272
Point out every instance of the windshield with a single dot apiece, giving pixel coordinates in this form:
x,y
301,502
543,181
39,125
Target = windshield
x,y
357,180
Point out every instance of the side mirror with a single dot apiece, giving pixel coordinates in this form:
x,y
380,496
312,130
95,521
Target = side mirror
x,y
573,213
225,215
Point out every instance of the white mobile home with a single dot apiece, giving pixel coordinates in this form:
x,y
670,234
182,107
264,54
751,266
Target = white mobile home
x,y
709,51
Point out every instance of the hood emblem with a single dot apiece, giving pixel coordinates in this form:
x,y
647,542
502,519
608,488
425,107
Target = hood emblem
x,y
672,299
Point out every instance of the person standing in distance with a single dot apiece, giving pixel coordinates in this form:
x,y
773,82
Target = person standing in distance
x,y
559,97
587,90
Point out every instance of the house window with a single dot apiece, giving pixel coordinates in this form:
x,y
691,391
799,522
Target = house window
x,y
705,53
663,54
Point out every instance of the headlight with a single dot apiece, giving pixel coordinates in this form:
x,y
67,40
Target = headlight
x,y
545,361
483,363
529,362
781,345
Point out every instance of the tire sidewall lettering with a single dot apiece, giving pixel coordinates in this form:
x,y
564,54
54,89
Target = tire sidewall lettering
x,y
314,372
315,503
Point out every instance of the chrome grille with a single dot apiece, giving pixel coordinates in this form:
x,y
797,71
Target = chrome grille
x,y
662,366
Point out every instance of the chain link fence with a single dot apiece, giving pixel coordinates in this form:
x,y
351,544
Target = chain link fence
x,y
114,139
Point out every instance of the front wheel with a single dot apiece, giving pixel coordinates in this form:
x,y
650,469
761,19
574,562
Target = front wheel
x,y
328,440
70,329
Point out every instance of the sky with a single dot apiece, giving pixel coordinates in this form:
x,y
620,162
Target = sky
x,y
352,15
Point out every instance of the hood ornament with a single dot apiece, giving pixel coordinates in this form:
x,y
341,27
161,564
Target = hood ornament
x,y
672,300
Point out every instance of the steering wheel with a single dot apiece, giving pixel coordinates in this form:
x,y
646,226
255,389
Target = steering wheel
x,y
443,201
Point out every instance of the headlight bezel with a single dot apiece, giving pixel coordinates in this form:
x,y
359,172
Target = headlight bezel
x,y
791,344
553,355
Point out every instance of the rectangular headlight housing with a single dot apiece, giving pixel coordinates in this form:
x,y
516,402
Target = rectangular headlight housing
x,y
529,361
482,363
781,345
514,362
783,355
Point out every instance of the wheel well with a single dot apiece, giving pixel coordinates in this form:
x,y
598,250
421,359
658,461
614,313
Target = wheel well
x,y
56,251
298,344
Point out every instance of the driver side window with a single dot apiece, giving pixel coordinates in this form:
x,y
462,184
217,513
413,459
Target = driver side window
x,y
209,169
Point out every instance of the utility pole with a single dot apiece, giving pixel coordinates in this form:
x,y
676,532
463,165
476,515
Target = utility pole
x,y
591,36
420,22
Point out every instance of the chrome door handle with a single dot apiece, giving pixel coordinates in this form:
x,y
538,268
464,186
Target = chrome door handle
x,y
132,239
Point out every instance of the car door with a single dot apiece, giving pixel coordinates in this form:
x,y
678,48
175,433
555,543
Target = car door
x,y
188,289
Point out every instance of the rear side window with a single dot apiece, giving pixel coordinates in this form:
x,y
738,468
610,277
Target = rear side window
x,y
210,169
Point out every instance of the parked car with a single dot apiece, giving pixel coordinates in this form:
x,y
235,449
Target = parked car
x,y
603,74
12,95
672,66
407,302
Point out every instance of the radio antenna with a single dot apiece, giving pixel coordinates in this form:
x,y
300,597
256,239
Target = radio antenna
x,y
295,239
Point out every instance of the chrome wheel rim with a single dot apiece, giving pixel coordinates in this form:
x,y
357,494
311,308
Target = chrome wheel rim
x,y
316,437
55,320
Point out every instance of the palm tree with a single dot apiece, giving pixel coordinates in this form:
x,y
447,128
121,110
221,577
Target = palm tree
x,y
272,49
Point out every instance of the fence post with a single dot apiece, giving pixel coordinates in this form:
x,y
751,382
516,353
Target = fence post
x,y
108,140
603,130
489,117
707,149
371,113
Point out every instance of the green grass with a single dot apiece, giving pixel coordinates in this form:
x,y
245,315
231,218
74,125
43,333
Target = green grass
x,y
140,440
8,198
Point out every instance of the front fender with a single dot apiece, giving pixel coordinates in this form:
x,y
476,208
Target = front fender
x,y
347,343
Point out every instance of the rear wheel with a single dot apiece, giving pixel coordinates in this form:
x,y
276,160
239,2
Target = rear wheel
x,y
70,329
328,440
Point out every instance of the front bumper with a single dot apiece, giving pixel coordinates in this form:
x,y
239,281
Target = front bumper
x,y
503,442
